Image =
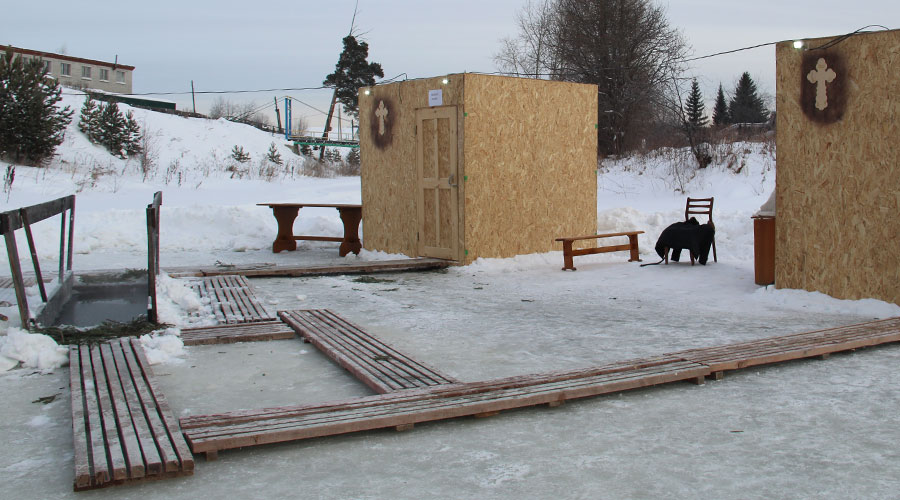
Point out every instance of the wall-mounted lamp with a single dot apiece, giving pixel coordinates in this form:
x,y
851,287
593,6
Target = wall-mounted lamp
x,y
798,44
445,81
367,91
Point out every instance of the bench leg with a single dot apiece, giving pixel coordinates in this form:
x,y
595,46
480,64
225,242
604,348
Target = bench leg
x,y
212,455
284,240
350,217
567,256
635,254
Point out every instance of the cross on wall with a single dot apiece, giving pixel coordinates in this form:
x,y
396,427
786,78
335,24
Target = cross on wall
x,y
381,113
821,76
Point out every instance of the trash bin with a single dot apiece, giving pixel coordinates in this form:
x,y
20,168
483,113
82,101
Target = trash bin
x,y
764,249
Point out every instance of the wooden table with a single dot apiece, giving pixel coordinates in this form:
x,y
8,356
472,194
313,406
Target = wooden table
x,y
286,213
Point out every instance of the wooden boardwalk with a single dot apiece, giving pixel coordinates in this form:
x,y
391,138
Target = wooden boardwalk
x,y
232,299
377,364
229,334
402,409
272,270
123,428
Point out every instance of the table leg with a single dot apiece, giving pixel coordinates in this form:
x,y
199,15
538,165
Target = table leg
x,y
284,240
350,218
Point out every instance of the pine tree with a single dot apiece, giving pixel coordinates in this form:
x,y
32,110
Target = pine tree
x,y
746,106
695,110
720,111
273,155
239,155
31,126
305,150
352,72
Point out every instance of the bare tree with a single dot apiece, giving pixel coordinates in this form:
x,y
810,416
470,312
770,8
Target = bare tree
x,y
532,52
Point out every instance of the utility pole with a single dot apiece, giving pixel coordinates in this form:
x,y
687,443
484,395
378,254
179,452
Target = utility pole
x,y
278,116
328,124
194,99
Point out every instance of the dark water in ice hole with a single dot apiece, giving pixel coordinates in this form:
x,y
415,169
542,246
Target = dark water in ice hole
x,y
91,305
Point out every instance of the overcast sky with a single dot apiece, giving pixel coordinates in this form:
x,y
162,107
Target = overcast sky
x,y
240,45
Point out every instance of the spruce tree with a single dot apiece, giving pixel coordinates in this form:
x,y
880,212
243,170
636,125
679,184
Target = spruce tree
x,y
239,155
746,106
351,72
133,134
273,155
353,157
720,111
31,125
89,119
695,110
113,131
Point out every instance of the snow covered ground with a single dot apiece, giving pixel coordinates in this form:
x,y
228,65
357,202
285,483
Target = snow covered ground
x,y
810,429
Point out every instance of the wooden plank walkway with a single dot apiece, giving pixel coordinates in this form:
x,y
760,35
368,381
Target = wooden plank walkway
x,y
272,270
228,334
404,408
377,364
796,346
401,410
124,430
232,299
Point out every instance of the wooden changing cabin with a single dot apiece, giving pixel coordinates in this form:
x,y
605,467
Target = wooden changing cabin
x,y
469,165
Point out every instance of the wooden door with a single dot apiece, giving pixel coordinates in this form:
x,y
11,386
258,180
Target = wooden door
x,y
436,159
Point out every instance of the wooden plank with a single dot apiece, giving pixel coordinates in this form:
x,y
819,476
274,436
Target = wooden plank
x,y
245,332
80,436
131,449
429,409
594,236
101,467
150,453
159,431
266,270
165,412
108,419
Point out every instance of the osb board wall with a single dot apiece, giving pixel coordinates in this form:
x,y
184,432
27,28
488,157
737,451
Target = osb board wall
x,y
838,176
530,164
388,167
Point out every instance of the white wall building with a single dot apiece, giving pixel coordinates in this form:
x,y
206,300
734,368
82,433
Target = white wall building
x,y
81,73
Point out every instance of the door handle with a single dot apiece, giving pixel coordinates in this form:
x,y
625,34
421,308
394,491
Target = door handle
x,y
450,181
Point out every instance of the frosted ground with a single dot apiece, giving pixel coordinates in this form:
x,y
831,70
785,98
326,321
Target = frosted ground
x,y
808,429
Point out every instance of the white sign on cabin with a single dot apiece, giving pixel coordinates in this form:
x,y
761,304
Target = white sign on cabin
x,y
436,97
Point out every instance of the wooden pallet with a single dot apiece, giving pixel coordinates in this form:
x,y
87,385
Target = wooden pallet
x,y
796,346
124,430
260,270
401,410
232,299
229,334
374,362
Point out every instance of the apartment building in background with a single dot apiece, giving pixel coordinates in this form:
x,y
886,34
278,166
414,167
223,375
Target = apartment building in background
x,y
78,72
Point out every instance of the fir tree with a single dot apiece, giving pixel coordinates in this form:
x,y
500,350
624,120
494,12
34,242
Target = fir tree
x,y
695,110
305,150
720,111
352,72
112,129
353,157
239,155
31,126
273,155
89,119
133,135
746,106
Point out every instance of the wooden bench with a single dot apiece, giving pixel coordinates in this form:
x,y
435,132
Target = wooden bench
x,y
402,410
229,334
569,252
232,299
285,213
123,428
375,363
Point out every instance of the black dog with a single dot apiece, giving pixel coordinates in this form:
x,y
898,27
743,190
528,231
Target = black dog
x,y
695,237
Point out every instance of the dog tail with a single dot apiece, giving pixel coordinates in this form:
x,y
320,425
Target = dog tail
x,y
653,263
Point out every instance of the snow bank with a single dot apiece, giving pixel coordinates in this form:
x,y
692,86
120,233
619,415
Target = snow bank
x,y
178,304
164,346
32,350
819,302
